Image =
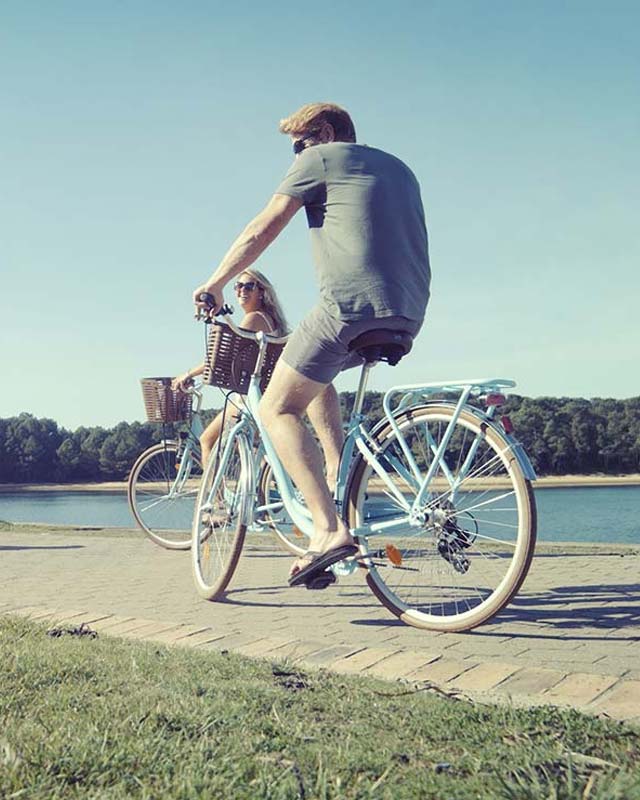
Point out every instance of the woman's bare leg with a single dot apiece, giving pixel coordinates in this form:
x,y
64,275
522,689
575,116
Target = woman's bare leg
x,y
210,436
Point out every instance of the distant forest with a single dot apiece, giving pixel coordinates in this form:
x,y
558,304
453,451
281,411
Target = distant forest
x,y
561,435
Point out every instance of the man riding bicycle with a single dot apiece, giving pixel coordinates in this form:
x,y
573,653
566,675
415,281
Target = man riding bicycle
x,y
370,247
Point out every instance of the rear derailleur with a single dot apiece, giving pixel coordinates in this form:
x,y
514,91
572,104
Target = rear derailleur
x,y
452,543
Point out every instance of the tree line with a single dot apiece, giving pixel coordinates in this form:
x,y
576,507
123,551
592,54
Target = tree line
x,y
561,435
36,450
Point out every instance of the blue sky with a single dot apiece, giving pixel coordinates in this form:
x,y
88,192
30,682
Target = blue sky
x,y
138,138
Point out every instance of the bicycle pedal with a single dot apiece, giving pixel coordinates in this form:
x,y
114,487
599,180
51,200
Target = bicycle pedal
x,y
321,581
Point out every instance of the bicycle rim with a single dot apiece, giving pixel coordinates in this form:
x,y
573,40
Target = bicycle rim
x,y
162,507
472,550
219,526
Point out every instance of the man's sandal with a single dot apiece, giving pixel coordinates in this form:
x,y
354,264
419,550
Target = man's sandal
x,y
313,573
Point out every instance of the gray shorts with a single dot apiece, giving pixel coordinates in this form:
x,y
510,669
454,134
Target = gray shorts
x,y
319,346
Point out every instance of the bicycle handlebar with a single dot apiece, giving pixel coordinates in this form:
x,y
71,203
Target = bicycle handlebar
x,y
210,302
193,387
226,310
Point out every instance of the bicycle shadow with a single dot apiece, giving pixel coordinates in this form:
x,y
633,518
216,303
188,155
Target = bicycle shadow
x,y
587,554
42,547
591,612
572,611
276,554
285,592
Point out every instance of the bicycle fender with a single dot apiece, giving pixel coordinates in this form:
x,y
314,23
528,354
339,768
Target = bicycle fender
x,y
523,459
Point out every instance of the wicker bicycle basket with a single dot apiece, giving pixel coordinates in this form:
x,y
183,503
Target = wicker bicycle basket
x,y
164,404
231,360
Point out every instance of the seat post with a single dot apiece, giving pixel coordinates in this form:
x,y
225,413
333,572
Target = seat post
x,y
362,388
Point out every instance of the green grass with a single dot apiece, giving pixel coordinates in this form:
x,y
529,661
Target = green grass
x,y
105,718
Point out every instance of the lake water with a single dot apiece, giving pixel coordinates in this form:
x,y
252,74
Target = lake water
x,y
585,514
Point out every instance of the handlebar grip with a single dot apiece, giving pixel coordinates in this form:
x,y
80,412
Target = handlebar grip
x,y
210,301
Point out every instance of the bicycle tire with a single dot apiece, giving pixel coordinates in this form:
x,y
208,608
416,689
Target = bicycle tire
x,y
163,517
219,522
435,576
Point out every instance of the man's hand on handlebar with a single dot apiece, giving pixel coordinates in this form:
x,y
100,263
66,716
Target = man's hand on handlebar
x,y
208,300
209,303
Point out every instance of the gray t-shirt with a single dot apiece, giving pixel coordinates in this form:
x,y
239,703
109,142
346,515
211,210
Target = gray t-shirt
x,y
368,232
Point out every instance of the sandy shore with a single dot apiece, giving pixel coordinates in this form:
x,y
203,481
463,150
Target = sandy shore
x,y
112,486
549,482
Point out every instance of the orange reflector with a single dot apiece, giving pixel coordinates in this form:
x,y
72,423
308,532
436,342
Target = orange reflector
x,y
297,532
206,551
393,554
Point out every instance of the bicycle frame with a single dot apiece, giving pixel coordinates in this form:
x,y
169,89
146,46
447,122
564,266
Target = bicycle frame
x,y
358,437
192,444
296,510
413,393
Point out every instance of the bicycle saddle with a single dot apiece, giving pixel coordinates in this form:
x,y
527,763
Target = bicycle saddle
x,y
382,345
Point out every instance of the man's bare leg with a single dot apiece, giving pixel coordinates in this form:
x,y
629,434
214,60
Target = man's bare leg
x,y
282,408
326,417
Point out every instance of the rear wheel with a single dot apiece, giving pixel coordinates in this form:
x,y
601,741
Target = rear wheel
x,y
469,550
161,505
219,522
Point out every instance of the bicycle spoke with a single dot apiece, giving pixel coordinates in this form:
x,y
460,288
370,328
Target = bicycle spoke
x,y
487,502
162,502
219,530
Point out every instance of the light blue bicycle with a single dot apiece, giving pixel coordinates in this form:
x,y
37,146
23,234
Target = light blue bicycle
x,y
437,493
163,482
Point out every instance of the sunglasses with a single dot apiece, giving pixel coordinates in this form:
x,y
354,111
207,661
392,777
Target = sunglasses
x,y
249,286
301,144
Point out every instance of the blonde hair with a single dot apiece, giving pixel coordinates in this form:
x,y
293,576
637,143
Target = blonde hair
x,y
270,303
311,117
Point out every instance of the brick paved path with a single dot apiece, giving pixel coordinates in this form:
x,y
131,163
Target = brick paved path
x,y
572,636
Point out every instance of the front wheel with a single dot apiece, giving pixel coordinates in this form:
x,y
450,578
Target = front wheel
x,y
219,522
468,550
162,496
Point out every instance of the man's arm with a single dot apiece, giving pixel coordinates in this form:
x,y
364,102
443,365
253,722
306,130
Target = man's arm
x,y
251,243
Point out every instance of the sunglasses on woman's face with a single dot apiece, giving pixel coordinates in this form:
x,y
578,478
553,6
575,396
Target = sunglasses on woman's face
x,y
248,286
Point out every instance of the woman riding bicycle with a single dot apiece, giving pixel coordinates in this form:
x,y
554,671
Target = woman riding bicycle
x,y
262,312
